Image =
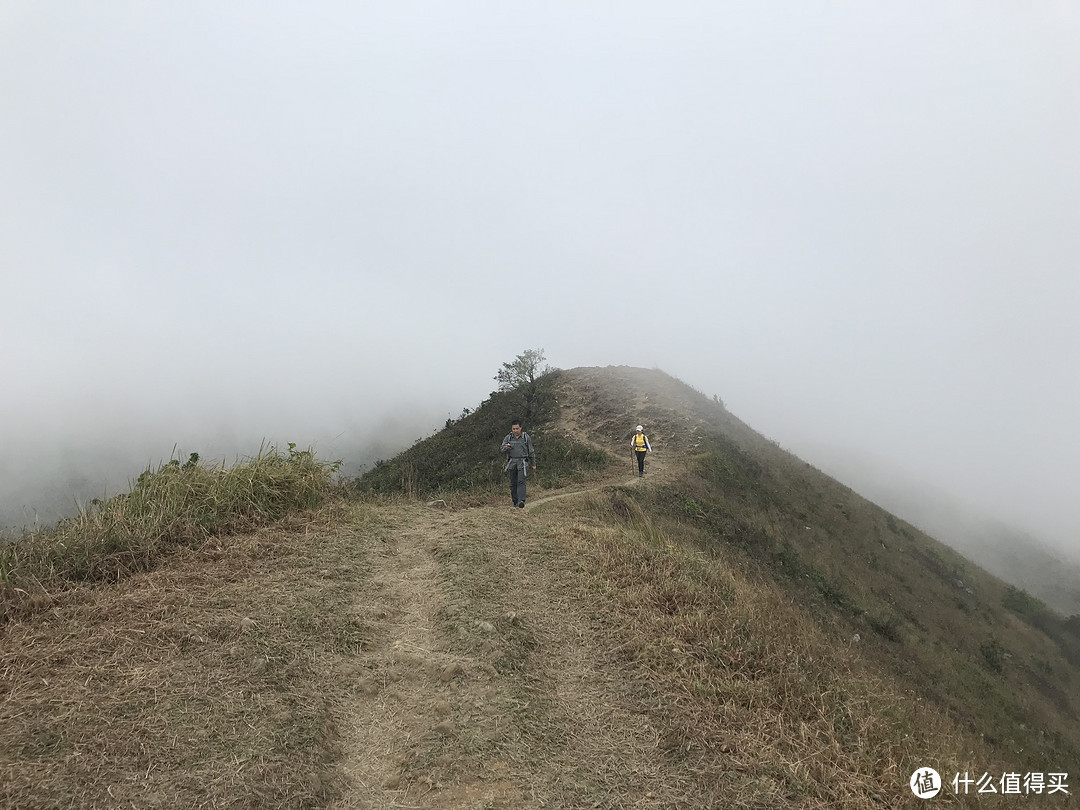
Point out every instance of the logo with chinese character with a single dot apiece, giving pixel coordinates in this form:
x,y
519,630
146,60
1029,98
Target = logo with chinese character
x,y
1011,782
925,783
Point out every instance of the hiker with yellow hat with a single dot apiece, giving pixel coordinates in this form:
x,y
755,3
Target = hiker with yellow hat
x,y
639,445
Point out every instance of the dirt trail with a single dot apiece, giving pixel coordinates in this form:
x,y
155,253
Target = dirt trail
x,y
488,683
657,470
575,423
407,678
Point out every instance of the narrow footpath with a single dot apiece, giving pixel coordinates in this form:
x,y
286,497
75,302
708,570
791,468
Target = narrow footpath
x,y
488,681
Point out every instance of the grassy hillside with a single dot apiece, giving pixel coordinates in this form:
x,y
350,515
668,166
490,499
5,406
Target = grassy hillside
x,y
1038,564
734,630
1000,663
464,457
168,508
997,661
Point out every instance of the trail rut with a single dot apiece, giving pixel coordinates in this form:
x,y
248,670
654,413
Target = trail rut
x,y
487,682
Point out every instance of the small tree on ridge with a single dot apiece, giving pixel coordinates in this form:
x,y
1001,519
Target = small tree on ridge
x,y
522,370
523,374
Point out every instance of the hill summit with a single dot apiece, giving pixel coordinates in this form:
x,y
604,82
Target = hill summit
x,y
735,629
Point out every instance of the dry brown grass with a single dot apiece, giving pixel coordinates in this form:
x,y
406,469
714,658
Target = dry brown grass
x,y
625,668
568,732
642,673
195,685
759,707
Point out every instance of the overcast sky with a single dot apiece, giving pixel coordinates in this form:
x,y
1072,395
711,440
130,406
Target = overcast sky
x,y
331,223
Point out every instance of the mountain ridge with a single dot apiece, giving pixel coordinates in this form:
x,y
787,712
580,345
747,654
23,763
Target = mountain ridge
x,y
736,629
863,568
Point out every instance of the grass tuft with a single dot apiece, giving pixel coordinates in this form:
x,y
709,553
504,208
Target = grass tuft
x,y
173,506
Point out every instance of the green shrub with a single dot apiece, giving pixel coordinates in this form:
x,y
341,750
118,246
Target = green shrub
x,y
465,457
994,654
1022,603
171,506
888,627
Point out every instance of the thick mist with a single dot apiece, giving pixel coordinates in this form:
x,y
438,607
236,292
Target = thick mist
x,y
330,224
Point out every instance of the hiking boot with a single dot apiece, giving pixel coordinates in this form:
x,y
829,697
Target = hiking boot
x,y
521,505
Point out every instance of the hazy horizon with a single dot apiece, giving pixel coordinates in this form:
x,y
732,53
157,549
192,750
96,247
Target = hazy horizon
x,y
330,224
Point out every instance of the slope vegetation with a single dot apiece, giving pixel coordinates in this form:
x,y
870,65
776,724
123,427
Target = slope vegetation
x,y
734,630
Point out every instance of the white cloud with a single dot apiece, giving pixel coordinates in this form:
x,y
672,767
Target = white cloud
x,y
857,225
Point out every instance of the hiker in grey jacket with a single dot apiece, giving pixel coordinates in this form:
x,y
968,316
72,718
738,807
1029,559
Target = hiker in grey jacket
x,y
518,449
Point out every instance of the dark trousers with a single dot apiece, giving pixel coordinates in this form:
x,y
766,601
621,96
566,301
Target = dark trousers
x,y
640,460
517,485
